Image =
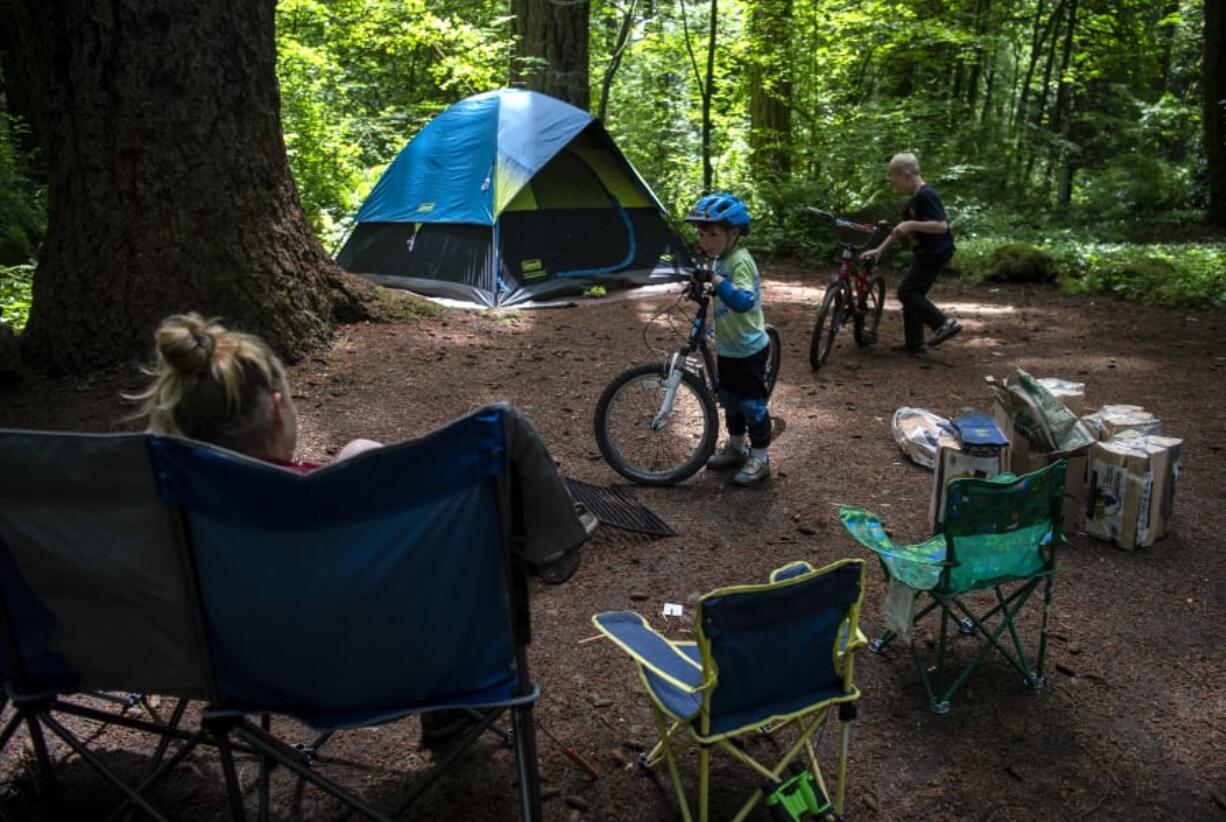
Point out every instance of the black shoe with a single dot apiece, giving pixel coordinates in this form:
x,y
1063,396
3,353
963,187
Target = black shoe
x,y
909,350
949,329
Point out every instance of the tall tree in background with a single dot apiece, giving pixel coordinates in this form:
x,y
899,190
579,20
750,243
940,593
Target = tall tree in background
x,y
770,89
168,183
1215,108
551,48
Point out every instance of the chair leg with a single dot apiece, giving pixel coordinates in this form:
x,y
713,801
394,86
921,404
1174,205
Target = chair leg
x,y
847,713
98,765
220,731
1047,591
45,772
524,731
664,731
704,782
265,772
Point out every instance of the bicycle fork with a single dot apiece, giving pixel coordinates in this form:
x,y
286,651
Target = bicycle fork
x,y
672,381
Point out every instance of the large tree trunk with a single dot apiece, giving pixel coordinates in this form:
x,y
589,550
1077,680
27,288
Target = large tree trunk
x,y
551,47
169,186
770,90
1215,108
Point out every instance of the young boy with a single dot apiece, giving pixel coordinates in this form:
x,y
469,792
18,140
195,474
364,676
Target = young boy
x,y
740,337
924,217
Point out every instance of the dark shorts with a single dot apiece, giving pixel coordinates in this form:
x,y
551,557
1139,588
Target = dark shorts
x,y
744,377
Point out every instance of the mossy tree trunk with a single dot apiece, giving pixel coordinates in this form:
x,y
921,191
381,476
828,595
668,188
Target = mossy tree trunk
x,y
770,91
551,49
169,188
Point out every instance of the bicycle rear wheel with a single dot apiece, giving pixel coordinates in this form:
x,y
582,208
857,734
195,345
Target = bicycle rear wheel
x,y
663,456
829,318
772,359
868,318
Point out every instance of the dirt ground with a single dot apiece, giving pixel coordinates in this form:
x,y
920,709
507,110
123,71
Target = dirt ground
x,y
1132,723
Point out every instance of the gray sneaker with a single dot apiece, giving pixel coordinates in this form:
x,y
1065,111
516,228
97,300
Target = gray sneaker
x,y
755,470
728,456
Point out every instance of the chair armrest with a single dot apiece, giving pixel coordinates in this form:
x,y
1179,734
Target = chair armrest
x,y
651,650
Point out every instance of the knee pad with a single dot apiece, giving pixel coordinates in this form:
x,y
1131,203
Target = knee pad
x,y
754,410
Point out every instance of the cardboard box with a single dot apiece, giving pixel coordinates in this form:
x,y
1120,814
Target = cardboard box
x,y
1072,394
984,455
1132,489
1111,420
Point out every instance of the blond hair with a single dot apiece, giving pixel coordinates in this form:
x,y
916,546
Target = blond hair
x,y
211,384
905,162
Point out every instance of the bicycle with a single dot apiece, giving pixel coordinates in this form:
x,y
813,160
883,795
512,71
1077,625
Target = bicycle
x,y
656,423
855,277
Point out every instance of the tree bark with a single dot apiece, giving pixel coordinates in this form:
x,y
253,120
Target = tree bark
x,y
550,54
169,186
1215,108
770,90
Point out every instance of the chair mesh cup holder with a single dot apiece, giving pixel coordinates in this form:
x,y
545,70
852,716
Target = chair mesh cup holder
x,y
797,797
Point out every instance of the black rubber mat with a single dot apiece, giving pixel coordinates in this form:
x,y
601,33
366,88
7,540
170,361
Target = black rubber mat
x,y
618,509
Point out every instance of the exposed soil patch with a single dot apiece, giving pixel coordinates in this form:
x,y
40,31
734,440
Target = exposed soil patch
x,y
1132,723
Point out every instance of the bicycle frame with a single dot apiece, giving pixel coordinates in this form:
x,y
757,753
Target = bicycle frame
x,y
855,275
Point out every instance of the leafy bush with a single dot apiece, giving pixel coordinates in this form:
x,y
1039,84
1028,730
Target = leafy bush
x,y
16,294
1021,263
1187,274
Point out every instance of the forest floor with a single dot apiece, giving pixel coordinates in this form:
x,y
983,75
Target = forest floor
x,y
1132,722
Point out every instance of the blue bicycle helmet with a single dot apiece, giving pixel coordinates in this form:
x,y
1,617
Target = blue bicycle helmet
x,y
720,208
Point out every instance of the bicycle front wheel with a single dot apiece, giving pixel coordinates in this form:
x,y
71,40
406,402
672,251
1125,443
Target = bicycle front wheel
x,y
829,317
868,319
772,359
672,449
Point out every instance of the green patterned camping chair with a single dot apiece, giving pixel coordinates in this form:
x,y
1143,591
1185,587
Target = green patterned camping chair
x,y
999,533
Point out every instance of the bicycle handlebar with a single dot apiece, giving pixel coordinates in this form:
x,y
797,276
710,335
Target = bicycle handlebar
x,y
839,222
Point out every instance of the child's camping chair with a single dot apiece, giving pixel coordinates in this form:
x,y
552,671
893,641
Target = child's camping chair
x,y
767,656
997,532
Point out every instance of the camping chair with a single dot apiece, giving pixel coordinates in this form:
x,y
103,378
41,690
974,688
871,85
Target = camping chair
x,y
389,584
767,657
90,600
997,532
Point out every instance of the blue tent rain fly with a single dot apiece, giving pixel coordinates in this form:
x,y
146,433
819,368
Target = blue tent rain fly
x,y
512,196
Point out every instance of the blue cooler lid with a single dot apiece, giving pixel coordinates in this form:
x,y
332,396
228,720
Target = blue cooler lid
x,y
979,429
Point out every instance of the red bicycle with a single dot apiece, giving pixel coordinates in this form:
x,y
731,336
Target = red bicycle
x,y
856,292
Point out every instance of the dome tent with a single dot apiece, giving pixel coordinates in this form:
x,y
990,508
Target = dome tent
x,y
509,197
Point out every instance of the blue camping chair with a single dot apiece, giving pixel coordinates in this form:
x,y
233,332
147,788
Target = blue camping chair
x,y
768,657
386,585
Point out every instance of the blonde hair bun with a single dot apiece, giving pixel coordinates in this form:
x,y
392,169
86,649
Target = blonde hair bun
x,y
187,341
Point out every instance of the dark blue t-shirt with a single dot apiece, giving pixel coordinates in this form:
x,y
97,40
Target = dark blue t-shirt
x,y
926,206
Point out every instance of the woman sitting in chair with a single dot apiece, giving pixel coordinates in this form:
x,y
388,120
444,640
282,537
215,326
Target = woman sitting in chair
x,y
229,389
226,388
